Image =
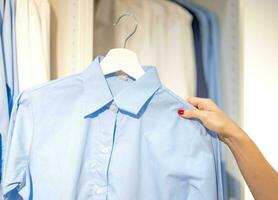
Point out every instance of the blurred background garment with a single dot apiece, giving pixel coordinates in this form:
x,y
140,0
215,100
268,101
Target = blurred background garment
x,y
33,42
209,28
71,48
8,65
9,50
8,70
4,108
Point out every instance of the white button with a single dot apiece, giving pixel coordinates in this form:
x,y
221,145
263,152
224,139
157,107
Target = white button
x,y
105,150
113,107
100,190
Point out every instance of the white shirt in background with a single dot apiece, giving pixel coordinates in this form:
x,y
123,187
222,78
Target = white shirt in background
x,y
33,42
71,36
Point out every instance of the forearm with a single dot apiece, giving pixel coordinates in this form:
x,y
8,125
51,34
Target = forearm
x,y
261,178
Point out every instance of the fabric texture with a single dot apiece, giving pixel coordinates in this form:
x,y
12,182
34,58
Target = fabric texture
x,y
155,42
94,136
33,42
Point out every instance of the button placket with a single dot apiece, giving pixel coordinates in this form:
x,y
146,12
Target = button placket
x,y
103,150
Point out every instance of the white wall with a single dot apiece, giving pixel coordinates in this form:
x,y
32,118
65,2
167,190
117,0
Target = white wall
x,y
261,76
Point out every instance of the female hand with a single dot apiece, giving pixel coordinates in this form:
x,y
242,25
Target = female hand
x,y
259,175
212,117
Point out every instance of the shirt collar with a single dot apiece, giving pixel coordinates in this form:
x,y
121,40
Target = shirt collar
x,y
131,99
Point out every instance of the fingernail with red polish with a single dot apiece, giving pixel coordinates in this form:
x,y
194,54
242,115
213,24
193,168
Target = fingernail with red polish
x,y
180,111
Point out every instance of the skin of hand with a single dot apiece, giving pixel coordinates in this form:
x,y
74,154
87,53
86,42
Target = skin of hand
x,y
211,116
260,176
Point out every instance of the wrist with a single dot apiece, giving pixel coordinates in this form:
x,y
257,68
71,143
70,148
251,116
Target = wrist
x,y
232,133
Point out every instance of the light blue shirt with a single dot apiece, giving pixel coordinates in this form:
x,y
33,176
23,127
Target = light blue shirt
x,y
90,136
4,108
212,66
1,9
4,114
209,27
8,67
9,52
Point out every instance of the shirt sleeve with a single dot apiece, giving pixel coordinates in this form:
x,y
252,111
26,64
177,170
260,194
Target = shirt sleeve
x,y
17,148
202,167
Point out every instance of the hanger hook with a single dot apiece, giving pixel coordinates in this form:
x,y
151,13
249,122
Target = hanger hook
x,y
135,28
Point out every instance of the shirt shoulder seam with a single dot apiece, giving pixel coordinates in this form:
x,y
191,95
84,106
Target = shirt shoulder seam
x,y
182,102
49,83
176,97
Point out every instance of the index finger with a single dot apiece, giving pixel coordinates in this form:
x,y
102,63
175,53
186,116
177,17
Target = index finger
x,y
200,103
